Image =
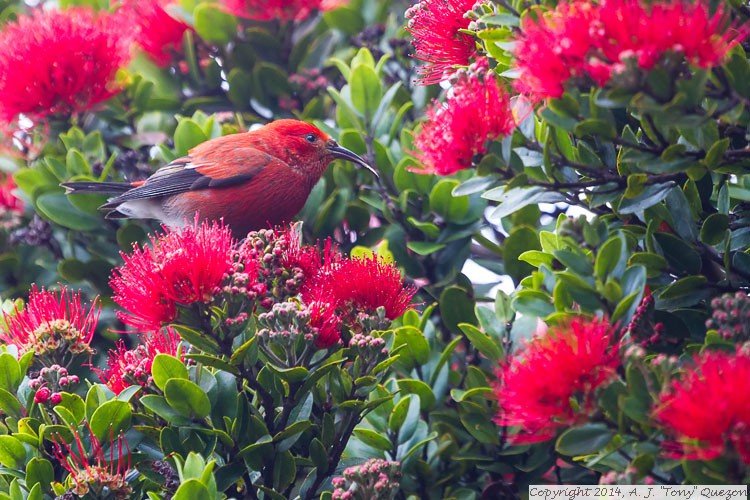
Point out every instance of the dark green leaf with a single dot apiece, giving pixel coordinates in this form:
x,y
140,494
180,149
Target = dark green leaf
x,y
187,398
166,367
110,419
583,440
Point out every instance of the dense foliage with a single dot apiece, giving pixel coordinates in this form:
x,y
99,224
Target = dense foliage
x,y
547,282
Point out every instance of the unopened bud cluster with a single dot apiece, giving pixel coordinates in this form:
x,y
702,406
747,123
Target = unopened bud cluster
x,y
366,322
284,324
476,14
368,350
731,316
242,282
50,382
642,328
270,248
375,479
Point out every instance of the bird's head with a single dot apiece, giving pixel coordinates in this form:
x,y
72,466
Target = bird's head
x,y
312,147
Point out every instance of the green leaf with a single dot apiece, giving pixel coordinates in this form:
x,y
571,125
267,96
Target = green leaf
x,y
514,199
166,367
533,302
456,307
213,24
192,489
414,348
414,386
346,19
444,203
10,405
398,414
520,241
39,471
612,256
187,398
716,153
10,372
57,208
714,229
366,89
650,196
284,470
482,342
188,135
424,247
110,419
373,439
583,440
12,452
159,405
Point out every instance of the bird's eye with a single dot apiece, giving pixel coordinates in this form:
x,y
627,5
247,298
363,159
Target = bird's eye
x,y
311,138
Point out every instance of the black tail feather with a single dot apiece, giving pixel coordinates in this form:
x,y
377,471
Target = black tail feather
x,y
96,187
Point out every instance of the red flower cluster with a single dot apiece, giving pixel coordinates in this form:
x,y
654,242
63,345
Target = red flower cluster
x,y
11,208
8,201
577,358
477,111
180,268
284,10
156,31
59,62
53,325
97,471
705,412
133,367
201,264
362,285
435,26
588,41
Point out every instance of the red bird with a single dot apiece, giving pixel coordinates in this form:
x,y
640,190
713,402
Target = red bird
x,y
251,180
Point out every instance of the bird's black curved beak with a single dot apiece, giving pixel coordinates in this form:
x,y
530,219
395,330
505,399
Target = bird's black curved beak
x,y
344,154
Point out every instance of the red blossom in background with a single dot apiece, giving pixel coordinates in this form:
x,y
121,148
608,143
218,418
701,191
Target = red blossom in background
x,y
156,31
95,471
553,49
477,111
535,387
181,267
127,367
59,62
8,201
705,412
52,325
361,285
284,10
434,26
594,41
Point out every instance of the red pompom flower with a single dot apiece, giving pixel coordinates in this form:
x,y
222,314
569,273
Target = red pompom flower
x,y
570,362
587,42
126,368
59,63
706,412
54,325
181,267
156,31
284,10
435,26
361,285
476,112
